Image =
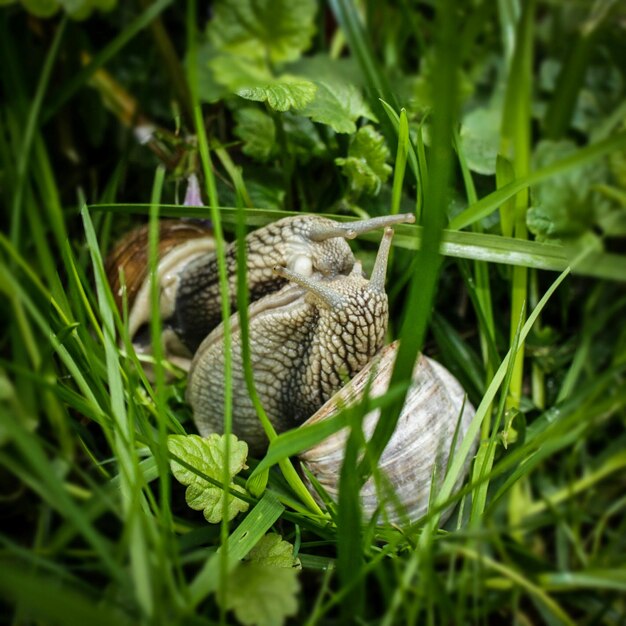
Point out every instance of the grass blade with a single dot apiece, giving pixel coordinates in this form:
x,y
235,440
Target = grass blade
x,y
29,132
348,17
422,284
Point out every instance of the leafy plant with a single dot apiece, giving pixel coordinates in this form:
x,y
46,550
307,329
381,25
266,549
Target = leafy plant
x,y
204,457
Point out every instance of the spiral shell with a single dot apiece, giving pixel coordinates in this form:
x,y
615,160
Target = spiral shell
x,y
418,450
179,242
131,254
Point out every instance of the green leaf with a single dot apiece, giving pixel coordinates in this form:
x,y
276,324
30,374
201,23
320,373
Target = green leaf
x,y
321,66
209,89
281,94
247,534
262,590
303,139
277,30
602,92
567,205
247,39
261,595
480,136
339,105
273,551
265,187
366,164
206,456
257,131
235,72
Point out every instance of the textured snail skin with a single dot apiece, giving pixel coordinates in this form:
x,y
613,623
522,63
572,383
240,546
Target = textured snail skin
x,y
302,352
286,242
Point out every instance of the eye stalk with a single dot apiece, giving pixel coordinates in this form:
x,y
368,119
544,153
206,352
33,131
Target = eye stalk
x,y
383,221
379,273
349,230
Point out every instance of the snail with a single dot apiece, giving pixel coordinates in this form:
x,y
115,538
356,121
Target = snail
x,y
317,328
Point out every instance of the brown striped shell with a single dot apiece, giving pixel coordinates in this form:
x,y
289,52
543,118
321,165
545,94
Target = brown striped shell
x,y
130,254
179,243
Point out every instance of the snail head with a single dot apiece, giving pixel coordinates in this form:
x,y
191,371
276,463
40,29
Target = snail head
x,y
353,310
319,245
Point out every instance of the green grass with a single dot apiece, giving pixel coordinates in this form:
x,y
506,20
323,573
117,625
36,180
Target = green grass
x,y
95,528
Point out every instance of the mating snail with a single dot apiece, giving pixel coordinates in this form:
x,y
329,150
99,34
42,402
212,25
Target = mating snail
x,y
315,322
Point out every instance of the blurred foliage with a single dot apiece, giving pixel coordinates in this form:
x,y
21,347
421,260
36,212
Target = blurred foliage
x,y
76,9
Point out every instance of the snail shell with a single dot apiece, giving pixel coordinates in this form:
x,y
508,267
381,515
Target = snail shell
x,y
419,448
131,253
180,242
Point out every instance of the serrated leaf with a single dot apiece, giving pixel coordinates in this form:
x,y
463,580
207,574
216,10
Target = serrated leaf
x,y
206,455
273,551
338,105
257,131
262,589
278,30
366,164
261,595
281,94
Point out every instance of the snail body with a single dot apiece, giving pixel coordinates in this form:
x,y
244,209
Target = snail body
x,y
306,341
